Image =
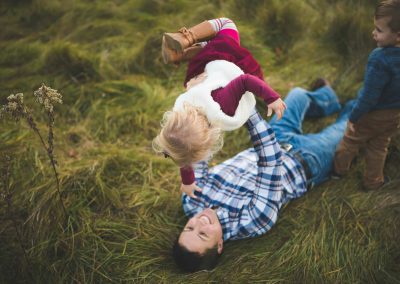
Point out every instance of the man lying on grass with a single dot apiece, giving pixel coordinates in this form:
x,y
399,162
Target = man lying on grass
x,y
242,196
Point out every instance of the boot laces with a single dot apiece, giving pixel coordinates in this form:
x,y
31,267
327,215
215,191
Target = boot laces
x,y
189,35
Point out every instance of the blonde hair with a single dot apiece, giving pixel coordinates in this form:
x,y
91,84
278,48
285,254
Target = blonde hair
x,y
187,136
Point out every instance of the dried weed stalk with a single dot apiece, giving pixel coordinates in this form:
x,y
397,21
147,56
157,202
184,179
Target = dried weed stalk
x,y
16,108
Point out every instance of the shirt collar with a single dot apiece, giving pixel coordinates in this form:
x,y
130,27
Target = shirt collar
x,y
223,217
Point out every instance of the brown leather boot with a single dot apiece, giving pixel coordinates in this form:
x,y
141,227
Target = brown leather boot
x,y
171,56
178,42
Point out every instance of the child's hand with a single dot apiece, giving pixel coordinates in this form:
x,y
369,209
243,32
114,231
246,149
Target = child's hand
x,y
190,188
350,125
278,107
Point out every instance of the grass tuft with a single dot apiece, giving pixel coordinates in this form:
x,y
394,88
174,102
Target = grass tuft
x,y
69,61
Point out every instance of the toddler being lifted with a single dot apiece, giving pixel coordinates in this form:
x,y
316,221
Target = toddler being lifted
x,y
220,82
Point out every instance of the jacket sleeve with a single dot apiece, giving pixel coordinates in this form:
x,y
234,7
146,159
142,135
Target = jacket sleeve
x,y
376,78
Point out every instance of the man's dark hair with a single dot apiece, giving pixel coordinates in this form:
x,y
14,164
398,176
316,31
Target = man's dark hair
x,y
192,261
389,8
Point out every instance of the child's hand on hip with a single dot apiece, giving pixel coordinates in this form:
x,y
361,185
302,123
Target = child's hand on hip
x,y
278,107
350,125
189,189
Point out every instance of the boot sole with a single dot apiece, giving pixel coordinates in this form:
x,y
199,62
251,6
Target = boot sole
x,y
164,54
173,43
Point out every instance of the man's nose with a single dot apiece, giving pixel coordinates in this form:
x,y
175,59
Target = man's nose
x,y
200,223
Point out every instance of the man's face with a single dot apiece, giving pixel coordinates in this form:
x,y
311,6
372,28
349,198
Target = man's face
x,y
383,35
203,231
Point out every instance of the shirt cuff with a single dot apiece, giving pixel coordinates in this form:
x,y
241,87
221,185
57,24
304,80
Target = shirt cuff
x,y
254,118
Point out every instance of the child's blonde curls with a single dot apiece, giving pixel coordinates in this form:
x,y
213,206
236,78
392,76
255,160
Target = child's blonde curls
x,y
187,136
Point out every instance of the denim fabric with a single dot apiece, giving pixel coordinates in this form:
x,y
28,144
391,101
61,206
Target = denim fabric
x,y
324,102
317,149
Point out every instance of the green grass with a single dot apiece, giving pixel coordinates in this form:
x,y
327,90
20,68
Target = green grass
x,y
122,200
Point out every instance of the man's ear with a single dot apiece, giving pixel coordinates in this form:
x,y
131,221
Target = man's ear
x,y
220,246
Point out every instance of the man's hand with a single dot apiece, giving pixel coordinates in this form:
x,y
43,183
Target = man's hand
x,y
190,188
350,125
278,107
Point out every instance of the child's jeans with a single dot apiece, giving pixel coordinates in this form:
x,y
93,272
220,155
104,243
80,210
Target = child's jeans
x,y
374,131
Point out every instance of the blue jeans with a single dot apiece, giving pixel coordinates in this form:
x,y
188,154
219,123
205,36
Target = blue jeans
x,y
317,149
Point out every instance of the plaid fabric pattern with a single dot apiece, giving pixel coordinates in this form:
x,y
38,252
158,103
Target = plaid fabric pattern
x,y
249,189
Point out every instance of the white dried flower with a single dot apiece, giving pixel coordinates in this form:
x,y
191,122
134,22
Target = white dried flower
x,y
15,106
12,106
17,98
47,96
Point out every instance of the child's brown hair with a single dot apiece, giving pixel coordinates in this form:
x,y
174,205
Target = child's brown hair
x,y
389,8
187,136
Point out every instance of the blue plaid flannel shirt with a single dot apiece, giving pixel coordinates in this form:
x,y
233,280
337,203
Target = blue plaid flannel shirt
x,y
248,190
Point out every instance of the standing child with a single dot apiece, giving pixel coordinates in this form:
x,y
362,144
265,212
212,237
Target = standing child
x,y
220,80
376,115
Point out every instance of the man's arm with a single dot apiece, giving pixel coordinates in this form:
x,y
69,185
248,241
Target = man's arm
x,y
376,78
264,142
262,209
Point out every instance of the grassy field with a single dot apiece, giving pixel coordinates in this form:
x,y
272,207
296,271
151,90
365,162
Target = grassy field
x,y
122,201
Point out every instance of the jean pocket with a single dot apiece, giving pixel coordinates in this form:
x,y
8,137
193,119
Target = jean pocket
x,y
313,164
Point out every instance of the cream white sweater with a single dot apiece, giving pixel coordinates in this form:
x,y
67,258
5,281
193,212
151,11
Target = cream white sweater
x,y
219,74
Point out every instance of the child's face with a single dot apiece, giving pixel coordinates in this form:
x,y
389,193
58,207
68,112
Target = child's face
x,y
383,35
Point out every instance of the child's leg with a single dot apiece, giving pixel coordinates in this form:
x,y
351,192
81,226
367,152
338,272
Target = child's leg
x,y
225,26
373,130
348,149
384,123
174,44
201,33
177,47
375,156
